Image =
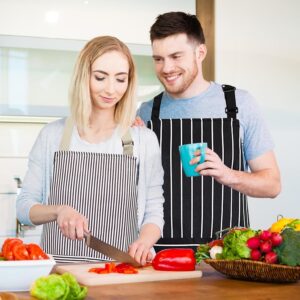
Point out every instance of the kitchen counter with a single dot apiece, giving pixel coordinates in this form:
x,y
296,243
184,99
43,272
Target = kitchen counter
x,y
212,286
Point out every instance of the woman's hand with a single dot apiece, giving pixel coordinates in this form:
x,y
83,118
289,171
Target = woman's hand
x,y
140,251
71,223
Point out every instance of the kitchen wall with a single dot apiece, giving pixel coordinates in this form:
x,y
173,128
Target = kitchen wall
x,y
257,49
59,24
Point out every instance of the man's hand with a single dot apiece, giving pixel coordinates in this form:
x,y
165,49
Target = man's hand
x,y
262,182
71,223
138,122
213,166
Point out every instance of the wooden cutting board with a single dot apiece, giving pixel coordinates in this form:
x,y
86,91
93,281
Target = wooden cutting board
x,y
80,271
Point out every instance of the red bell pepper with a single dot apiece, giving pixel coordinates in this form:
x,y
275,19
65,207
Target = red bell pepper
x,y
177,259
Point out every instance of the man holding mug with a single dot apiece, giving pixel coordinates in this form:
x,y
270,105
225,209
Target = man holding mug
x,y
193,110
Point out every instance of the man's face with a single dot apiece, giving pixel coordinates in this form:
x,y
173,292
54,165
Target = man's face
x,y
175,63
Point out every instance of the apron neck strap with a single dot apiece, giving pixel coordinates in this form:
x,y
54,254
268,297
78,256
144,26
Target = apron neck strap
x,y
66,137
156,106
127,141
231,109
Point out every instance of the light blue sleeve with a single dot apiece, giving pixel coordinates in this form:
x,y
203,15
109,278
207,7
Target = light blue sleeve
x,y
145,110
32,186
257,137
151,180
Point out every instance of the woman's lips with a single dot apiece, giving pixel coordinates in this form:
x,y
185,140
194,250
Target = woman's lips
x,y
107,100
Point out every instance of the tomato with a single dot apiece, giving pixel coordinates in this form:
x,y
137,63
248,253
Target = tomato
x,y
7,248
20,252
36,252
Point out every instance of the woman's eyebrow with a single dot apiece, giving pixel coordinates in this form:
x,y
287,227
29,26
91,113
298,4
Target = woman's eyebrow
x,y
105,73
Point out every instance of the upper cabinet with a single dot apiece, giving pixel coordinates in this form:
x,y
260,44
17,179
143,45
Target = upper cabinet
x,y
35,74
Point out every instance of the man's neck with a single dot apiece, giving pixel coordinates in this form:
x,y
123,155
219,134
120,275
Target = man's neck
x,y
197,87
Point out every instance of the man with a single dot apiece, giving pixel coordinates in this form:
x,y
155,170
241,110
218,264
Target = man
x,y
191,109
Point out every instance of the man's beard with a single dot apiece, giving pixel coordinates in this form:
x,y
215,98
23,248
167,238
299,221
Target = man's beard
x,y
185,84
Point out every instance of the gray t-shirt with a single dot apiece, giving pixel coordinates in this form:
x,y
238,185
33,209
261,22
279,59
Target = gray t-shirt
x,y
255,136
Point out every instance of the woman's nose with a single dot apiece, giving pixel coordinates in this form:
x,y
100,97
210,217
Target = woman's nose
x,y
110,87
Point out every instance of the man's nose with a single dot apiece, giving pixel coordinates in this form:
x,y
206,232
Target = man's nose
x,y
168,66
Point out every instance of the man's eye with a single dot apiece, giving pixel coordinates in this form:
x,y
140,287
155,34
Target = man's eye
x,y
157,59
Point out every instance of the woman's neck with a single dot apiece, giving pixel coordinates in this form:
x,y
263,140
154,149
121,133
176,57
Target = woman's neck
x,y
101,127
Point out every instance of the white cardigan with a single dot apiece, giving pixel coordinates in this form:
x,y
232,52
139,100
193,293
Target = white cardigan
x,y
36,184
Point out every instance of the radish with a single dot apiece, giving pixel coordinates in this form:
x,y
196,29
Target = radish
x,y
253,243
266,247
265,235
214,251
255,254
271,258
276,239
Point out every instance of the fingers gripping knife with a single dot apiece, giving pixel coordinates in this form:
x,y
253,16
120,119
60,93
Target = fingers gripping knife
x,y
109,250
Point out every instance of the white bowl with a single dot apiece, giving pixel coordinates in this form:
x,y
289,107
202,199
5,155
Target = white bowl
x,y
18,275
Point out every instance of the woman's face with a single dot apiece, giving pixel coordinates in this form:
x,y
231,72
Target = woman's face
x,y
109,80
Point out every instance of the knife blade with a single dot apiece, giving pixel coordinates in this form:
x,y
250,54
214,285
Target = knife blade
x,y
109,250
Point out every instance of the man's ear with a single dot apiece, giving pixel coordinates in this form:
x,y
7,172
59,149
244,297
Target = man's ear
x,y
201,51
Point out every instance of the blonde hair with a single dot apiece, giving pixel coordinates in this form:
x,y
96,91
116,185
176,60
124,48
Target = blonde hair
x,y
79,95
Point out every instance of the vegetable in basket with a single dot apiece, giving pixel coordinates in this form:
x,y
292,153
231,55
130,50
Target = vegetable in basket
x,y
288,252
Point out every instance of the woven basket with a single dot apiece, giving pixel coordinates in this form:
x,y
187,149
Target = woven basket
x,y
255,270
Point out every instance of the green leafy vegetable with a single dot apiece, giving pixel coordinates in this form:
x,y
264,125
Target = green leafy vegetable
x,y
235,244
50,287
202,253
288,252
76,291
58,287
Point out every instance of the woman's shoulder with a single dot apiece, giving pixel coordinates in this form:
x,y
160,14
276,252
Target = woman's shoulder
x,y
143,133
53,129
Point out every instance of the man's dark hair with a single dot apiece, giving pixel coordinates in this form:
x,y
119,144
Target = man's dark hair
x,y
177,22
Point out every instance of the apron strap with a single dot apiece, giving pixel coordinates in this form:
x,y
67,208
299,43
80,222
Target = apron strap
x,y
231,109
66,137
156,106
127,141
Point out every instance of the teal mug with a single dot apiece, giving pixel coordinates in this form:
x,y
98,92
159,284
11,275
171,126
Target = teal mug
x,y
187,154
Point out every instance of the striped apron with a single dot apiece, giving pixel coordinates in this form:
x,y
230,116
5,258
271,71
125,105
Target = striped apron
x,y
196,208
103,188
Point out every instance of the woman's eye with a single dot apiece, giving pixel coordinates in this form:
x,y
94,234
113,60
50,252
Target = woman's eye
x,y
99,78
121,80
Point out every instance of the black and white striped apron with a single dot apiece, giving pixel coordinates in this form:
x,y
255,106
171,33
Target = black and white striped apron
x,y
197,207
103,188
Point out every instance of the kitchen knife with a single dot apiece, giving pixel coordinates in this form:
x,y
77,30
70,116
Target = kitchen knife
x,y
109,250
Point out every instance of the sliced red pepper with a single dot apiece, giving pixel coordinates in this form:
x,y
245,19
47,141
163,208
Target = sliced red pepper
x,y
177,259
126,269
113,268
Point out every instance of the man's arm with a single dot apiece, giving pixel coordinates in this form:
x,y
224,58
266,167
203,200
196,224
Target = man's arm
x,y
262,182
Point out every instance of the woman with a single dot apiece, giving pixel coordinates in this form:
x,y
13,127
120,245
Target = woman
x,y
92,172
